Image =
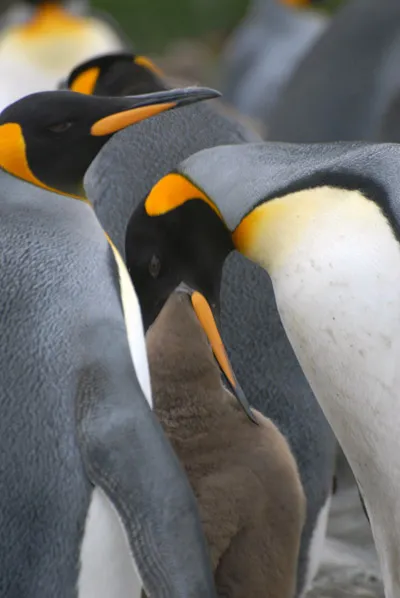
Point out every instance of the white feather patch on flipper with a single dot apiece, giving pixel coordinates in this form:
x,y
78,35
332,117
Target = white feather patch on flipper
x,y
107,566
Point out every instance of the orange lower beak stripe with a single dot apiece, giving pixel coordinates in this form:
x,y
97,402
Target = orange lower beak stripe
x,y
206,319
115,122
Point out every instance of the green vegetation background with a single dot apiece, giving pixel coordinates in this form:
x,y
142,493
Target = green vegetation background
x,y
153,24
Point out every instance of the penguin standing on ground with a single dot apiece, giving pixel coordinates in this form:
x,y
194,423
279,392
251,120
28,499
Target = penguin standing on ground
x,y
122,174
344,84
324,221
44,40
92,493
263,52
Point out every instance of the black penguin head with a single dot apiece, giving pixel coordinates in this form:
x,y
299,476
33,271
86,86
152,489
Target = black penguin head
x,y
115,74
51,138
188,244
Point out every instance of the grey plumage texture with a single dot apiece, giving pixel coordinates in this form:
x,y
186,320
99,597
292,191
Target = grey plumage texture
x,y
72,413
343,85
239,178
263,52
120,177
390,125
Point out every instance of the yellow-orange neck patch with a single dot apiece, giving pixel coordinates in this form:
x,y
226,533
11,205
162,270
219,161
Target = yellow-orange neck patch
x,y
13,158
51,19
86,81
173,191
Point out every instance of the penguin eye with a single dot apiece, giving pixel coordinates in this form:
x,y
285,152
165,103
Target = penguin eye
x,y
60,127
154,266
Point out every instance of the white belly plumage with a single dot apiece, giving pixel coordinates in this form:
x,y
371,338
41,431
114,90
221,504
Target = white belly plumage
x,y
338,295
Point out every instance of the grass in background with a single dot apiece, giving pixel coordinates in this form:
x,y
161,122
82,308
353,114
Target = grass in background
x,y
153,24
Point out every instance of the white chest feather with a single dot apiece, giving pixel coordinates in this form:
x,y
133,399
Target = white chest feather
x,y
339,299
134,327
337,286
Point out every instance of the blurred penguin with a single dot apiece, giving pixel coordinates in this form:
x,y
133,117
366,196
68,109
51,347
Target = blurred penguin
x,y
42,41
119,178
345,83
264,50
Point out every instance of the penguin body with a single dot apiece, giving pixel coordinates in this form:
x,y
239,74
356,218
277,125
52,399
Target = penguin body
x,y
56,264
38,49
243,475
93,494
116,182
344,84
323,220
263,52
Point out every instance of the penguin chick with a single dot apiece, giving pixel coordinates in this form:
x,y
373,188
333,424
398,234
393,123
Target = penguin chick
x,y
245,478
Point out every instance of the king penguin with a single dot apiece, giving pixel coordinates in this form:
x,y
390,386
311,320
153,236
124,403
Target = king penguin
x,y
344,84
324,221
40,41
121,175
94,502
264,50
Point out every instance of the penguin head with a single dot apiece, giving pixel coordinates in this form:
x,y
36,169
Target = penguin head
x,y
188,244
115,74
264,199
50,138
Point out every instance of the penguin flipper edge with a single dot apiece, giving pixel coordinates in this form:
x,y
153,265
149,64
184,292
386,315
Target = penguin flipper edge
x,y
127,455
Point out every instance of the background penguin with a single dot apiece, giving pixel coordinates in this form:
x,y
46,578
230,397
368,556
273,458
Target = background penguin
x,y
390,126
117,74
41,41
245,479
343,86
323,220
91,488
118,179
263,51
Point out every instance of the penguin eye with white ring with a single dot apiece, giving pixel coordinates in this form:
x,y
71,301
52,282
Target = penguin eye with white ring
x,y
154,266
60,127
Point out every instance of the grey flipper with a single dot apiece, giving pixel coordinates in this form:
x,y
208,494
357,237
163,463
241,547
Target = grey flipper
x,y
127,455
120,177
263,52
60,296
344,84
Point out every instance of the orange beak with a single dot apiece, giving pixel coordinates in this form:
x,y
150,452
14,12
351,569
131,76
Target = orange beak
x,y
205,316
144,106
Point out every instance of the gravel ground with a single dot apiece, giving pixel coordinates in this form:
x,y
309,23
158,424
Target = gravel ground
x,y
350,568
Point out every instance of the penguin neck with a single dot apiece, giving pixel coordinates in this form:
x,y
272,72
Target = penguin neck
x,y
185,377
80,195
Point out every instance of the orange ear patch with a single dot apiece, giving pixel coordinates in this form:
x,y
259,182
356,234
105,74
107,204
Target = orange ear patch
x,y
171,192
86,81
149,65
13,158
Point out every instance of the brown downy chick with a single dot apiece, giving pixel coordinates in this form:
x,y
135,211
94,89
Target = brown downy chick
x,y
244,476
